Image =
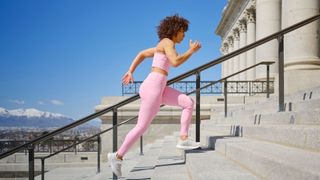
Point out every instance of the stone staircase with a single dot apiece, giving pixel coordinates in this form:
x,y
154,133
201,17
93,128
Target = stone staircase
x,y
163,161
255,141
268,143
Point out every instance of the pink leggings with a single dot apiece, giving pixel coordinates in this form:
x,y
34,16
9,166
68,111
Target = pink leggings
x,y
153,93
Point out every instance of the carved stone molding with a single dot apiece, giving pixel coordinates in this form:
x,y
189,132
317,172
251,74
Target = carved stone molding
x,y
243,25
230,41
236,35
232,12
251,15
226,47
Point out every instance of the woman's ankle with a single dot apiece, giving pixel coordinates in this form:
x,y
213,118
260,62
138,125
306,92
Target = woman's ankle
x,y
119,157
183,137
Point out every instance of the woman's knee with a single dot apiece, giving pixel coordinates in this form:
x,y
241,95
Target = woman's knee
x,y
141,128
186,102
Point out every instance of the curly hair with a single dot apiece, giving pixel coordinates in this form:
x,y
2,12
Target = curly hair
x,y
171,25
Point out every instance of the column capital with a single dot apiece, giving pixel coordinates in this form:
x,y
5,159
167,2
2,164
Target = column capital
x,y
251,14
225,47
230,41
236,34
242,25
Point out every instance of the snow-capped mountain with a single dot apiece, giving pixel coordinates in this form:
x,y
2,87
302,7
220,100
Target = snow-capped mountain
x,y
30,113
32,118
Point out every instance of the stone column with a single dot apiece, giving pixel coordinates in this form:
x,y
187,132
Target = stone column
x,y
225,64
222,64
243,42
301,47
230,61
236,60
251,38
268,14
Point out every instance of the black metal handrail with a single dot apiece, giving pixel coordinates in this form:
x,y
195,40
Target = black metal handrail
x,y
279,35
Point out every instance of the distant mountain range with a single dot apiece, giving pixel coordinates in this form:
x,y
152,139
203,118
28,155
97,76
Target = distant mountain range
x,y
32,118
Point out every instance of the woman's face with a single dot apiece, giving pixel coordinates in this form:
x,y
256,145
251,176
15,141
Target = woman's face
x,y
179,37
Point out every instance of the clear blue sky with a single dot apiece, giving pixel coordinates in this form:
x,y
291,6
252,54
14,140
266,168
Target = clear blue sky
x,y
64,56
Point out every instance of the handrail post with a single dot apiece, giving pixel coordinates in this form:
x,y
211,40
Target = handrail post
x,y
42,168
250,87
141,145
50,146
225,98
122,90
268,80
75,146
115,134
198,79
281,73
98,154
31,162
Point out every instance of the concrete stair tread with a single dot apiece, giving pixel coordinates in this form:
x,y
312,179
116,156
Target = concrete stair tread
x,y
74,172
145,168
216,166
291,162
70,173
171,161
306,137
300,136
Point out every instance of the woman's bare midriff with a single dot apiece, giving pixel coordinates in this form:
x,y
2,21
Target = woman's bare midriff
x,y
158,70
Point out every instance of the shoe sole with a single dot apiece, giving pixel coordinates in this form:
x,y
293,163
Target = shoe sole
x,y
187,148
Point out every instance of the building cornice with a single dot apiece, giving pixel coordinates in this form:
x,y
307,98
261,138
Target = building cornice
x,y
230,15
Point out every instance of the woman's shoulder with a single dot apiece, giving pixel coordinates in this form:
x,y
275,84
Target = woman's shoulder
x,y
165,42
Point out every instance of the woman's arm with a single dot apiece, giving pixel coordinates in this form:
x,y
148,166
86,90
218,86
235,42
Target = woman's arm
x,y
175,59
127,78
140,57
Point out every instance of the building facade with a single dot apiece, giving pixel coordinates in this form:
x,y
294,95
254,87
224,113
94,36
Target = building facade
x,y
245,21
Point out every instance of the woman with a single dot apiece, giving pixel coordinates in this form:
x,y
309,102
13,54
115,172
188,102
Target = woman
x,y
153,90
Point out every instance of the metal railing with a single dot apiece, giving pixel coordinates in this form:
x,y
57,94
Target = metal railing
x,y
233,87
197,71
51,146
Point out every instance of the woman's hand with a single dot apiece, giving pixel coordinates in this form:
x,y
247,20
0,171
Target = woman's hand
x,y
194,46
127,78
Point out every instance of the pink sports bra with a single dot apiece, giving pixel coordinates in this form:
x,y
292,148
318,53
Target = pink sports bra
x,y
161,61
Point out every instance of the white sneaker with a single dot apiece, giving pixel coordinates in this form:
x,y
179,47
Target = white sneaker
x,y
187,144
115,164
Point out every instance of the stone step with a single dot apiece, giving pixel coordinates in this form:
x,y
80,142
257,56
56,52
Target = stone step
x,y
311,93
241,112
75,171
70,173
306,105
130,161
171,161
208,164
145,168
262,107
307,117
37,166
307,94
270,161
301,136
